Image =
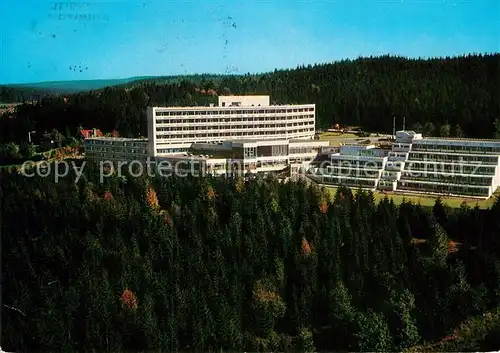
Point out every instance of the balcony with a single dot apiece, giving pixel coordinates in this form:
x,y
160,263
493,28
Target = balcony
x,y
397,158
390,175
387,185
271,167
401,147
395,166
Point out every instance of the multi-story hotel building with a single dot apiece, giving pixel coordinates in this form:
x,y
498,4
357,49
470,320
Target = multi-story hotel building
x,y
243,134
455,167
175,129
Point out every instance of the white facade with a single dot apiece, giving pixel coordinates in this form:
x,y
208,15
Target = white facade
x,y
248,156
461,167
362,150
355,166
175,129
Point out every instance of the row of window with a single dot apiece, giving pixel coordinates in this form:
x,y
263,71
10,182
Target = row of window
x,y
193,120
253,166
397,154
452,158
300,159
444,189
232,127
211,136
115,156
354,173
460,149
116,150
344,169
171,150
357,164
349,181
114,143
453,168
303,150
279,150
234,112
455,179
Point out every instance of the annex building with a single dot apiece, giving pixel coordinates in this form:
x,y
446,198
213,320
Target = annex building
x,y
115,149
243,134
444,166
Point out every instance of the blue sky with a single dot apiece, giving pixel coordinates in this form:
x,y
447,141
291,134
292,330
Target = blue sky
x,y
50,41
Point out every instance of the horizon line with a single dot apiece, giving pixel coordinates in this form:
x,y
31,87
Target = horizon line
x,y
139,77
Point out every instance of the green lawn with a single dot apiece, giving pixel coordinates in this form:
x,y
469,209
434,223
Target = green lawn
x,y
428,200
335,135
335,138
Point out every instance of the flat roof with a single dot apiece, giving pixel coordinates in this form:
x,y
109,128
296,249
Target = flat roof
x,y
257,140
413,181
244,95
358,147
457,139
460,154
319,142
309,105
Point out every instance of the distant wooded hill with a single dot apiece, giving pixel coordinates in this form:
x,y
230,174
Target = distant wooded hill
x,y
456,96
11,93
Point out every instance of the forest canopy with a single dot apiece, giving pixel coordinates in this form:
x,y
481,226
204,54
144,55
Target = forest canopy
x,y
208,264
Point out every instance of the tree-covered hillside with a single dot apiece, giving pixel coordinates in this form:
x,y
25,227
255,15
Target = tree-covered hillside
x,y
457,96
179,263
13,93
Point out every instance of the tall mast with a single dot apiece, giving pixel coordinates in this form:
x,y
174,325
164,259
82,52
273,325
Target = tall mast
x,y
394,127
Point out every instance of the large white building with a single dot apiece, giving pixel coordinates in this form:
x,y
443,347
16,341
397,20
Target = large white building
x,y
174,129
243,134
444,166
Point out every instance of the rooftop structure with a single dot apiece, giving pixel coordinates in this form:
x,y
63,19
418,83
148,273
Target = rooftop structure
x,y
243,101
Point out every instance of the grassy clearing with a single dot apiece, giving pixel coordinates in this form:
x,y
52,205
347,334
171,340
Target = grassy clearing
x,y
429,200
336,138
336,135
